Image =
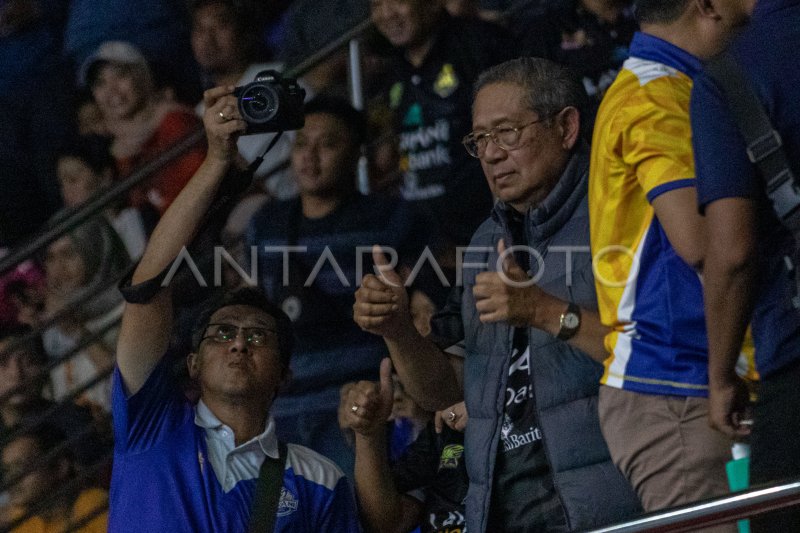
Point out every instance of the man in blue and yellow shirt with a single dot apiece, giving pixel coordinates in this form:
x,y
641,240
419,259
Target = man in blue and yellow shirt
x,y
647,239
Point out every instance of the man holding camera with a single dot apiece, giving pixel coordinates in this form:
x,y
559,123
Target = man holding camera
x,y
207,467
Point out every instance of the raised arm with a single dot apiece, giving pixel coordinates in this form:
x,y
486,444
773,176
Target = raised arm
x,y
383,507
508,297
381,308
145,330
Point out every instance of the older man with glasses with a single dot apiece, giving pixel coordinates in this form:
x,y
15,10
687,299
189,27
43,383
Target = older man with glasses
x,y
524,318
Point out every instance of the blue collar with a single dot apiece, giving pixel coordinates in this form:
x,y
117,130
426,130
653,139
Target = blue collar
x,y
646,46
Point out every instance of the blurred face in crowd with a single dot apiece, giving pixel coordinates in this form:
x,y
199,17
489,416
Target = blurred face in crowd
x,y
18,456
214,41
524,175
121,91
65,268
238,370
324,156
78,181
18,366
404,23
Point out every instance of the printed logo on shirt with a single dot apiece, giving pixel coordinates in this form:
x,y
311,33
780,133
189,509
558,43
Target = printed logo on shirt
x,y
513,439
450,456
395,95
287,503
293,307
446,82
452,523
413,116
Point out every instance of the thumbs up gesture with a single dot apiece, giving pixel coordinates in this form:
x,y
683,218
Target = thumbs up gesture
x,y
381,305
508,295
367,405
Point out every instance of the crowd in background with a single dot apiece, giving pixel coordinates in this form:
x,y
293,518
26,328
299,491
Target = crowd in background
x,y
98,90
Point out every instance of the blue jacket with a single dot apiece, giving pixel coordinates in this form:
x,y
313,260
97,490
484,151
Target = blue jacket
x,y
591,489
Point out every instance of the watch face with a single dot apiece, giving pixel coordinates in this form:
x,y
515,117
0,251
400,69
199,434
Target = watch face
x,y
571,320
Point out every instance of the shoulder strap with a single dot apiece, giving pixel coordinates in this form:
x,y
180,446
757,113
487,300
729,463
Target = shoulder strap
x,y
764,144
268,491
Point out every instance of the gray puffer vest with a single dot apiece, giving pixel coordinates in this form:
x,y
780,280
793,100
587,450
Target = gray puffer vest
x,y
565,381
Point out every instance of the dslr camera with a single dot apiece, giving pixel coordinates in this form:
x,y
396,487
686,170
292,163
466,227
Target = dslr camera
x,y
271,103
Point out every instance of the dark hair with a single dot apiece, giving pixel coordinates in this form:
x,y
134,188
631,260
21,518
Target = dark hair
x,y
246,24
21,337
658,11
250,297
93,150
549,87
340,108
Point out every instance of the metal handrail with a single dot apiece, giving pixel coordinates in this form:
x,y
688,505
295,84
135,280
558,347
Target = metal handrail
x,y
104,198
99,201
326,51
725,509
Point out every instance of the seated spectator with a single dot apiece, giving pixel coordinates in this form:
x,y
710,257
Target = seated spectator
x,y
84,264
159,28
242,345
23,379
589,36
436,60
142,121
84,168
329,217
426,487
46,495
226,47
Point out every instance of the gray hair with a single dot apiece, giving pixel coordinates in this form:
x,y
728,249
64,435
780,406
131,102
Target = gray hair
x,y
550,87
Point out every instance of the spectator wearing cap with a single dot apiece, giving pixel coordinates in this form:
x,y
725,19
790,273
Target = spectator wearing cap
x,y
142,120
329,217
159,28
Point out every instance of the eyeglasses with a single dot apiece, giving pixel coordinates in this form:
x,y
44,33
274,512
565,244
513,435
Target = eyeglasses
x,y
227,333
505,137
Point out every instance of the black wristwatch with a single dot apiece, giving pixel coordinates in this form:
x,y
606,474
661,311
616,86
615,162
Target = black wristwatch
x,y
570,322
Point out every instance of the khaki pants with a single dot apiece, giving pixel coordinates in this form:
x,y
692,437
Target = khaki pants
x,y
665,447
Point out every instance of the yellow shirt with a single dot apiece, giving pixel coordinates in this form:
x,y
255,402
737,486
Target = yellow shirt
x,y
88,503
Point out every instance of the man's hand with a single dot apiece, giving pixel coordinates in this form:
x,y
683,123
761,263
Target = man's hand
x,y
381,305
455,417
508,295
223,124
728,410
368,405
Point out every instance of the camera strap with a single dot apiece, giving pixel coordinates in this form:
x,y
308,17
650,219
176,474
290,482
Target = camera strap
x,y
253,167
764,149
268,492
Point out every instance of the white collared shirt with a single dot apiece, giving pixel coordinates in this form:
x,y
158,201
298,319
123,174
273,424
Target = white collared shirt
x,y
233,463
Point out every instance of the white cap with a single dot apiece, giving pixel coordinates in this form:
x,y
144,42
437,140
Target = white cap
x,y
111,52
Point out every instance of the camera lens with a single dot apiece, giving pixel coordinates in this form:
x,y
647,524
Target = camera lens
x,y
258,103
